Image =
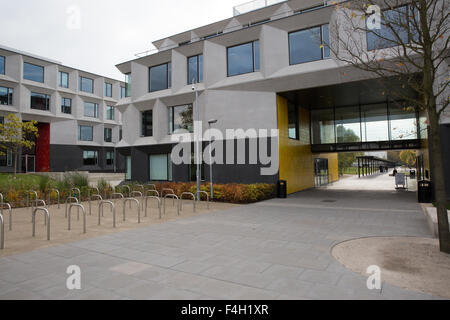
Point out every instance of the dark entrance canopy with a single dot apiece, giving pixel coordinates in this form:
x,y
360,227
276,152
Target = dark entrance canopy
x,y
368,165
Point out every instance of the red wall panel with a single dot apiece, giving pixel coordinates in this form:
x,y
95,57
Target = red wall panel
x,y
43,148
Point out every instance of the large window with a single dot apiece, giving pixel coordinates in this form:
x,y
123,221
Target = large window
x,y
147,123
110,158
63,79
33,72
40,101
160,167
90,158
374,122
108,135
66,105
86,85
123,92
393,24
91,110
403,122
2,65
128,85
110,112
6,96
108,89
195,69
309,45
322,126
180,118
293,121
244,58
6,159
85,133
160,77
348,125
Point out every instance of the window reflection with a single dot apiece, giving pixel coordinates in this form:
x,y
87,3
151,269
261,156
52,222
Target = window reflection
x,y
348,126
180,118
322,126
244,58
33,72
374,122
403,122
160,77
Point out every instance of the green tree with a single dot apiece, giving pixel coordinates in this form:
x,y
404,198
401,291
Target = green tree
x,y
346,159
408,157
15,135
411,49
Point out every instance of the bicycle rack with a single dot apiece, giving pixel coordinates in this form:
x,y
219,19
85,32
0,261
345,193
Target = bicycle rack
x,y
2,204
67,203
84,215
140,186
159,204
28,196
115,194
100,211
171,192
47,218
135,194
207,198
173,196
186,194
152,186
125,200
75,192
154,192
2,227
50,197
35,204
128,188
97,196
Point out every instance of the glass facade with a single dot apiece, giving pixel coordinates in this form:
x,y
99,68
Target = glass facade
x,y
378,122
108,134
147,123
244,58
40,101
6,159
2,65
66,105
33,72
160,167
293,121
386,37
160,77
128,85
90,110
195,69
63,79
85,133
86,85
90,158
180,118
108,89
309,45
109,158
110,110
123,92
6,96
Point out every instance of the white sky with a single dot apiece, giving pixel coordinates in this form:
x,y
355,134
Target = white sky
x,y
111,31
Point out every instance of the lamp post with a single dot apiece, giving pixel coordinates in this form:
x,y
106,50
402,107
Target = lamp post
x,y
197,138
211,122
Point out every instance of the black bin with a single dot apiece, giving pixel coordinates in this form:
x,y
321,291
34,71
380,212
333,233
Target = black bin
x,y
282,189
412,174
425,191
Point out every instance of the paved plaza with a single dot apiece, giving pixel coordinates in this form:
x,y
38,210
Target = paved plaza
x,y
278,249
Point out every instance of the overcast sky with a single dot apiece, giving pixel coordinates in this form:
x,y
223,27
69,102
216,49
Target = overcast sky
x,y
109,31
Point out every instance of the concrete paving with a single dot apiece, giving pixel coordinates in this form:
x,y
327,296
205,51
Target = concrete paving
x,y
278,249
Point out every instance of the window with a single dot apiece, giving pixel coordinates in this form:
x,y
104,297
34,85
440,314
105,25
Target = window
x,y
6,95
293,121
244,58
66,105
120,134
91,110
195,69
108,135
85,133
86,85
385,37
309,45
160,167
180,118
123,92
40,101
33,72
193,170
63,79
147,123
108,89
6,160
160,77
128,85
109,158
90,158
110,112
2,65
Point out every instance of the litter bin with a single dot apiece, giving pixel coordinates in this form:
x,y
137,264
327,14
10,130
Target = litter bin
x,y
282,189
412,174
425,191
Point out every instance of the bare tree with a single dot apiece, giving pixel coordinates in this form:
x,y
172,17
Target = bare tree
x,y
404,42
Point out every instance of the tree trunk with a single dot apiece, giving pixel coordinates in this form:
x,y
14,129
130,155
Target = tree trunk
x,y
439,183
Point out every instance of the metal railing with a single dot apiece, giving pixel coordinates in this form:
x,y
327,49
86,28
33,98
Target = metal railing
x,y
95,196
2,207
2,230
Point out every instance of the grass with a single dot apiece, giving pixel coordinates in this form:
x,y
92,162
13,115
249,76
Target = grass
x,y
23,182
350,170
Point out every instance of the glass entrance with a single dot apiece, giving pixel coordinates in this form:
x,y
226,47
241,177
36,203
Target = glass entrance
x,y
28,164
321,172
128,173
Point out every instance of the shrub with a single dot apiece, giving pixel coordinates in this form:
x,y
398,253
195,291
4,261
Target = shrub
x,y
43,182
79,180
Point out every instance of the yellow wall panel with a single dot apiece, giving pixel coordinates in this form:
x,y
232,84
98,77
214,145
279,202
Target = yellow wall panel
x,y
333,165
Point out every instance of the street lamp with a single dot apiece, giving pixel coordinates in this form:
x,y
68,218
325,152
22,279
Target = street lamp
x,y
197,139
211,122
